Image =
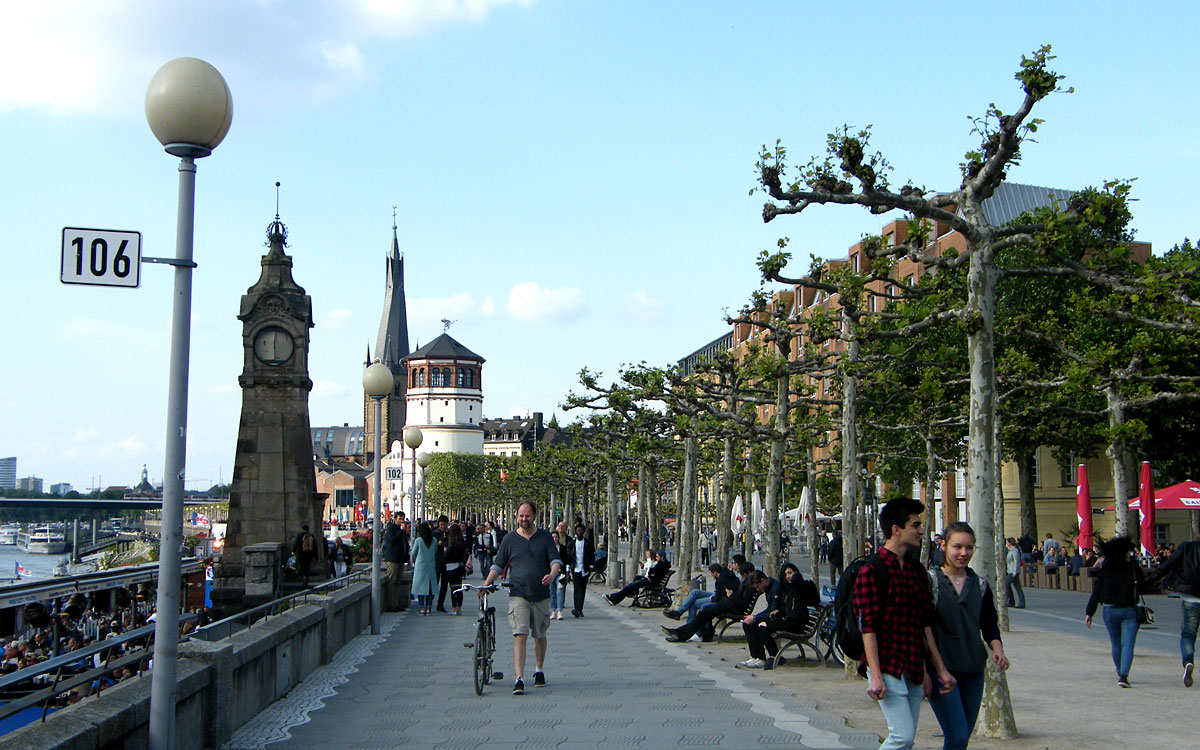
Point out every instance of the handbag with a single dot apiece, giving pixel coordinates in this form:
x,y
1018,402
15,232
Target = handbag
x,y
1145,615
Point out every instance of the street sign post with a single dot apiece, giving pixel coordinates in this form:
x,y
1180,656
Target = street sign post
x,y
101,257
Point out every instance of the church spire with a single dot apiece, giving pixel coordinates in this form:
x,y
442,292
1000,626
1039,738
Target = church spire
x,y
391,346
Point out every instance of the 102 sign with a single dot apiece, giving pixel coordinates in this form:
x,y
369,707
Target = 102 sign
x,y
101,257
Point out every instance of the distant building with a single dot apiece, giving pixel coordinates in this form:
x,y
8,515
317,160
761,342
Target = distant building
x,y
391,348
32,485
518,435
61,488
343,443
8,473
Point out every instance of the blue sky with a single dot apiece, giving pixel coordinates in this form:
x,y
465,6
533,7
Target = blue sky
x,y
571,179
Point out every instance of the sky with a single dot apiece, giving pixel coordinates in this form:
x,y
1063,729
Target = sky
x,y
571,179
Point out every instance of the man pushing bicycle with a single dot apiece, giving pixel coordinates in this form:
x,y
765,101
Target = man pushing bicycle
x,y
532,561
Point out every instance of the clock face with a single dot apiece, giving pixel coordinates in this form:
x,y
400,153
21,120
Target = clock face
x,y
273,346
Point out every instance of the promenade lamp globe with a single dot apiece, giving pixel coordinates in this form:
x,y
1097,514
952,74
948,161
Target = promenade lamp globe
x,y
413,437
424,459
189,107
377,383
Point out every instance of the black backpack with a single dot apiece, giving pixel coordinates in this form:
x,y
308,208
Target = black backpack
x,y
847,636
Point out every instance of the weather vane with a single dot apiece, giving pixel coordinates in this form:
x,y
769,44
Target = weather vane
x,y
446,323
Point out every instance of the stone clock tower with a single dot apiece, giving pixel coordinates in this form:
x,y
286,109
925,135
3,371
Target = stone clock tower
x,y
273,490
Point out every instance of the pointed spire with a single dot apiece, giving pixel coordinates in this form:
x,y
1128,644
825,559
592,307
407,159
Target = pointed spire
x,y
367,361
391,345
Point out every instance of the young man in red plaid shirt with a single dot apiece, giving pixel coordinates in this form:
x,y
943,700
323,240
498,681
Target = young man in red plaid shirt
x,y
895,624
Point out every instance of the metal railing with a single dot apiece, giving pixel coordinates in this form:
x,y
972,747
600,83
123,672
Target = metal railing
x,y
241,621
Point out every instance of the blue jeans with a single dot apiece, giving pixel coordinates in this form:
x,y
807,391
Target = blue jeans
x,y
957,710
556,596
1122,627
692,603
901,705
1187,631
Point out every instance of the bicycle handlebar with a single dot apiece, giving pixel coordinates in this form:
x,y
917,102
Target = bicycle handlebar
x,y
469,587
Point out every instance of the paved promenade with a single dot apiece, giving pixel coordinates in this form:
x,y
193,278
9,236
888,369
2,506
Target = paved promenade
x,y
613,682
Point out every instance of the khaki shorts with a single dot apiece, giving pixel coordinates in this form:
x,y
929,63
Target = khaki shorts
x,y
528,618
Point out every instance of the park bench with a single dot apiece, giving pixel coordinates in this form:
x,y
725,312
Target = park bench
x,y
654,595
809,636
722,622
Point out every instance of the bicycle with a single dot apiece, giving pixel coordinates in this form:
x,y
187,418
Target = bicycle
x,y
485,638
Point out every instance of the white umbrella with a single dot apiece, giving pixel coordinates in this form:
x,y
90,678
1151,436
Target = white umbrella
x,y
758,521
805,509
738,517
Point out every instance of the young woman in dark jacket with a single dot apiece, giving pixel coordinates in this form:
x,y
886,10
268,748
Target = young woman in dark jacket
x,y
964,619
1118,585
791,616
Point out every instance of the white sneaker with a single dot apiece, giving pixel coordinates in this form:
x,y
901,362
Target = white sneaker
x,y
752,664
696,639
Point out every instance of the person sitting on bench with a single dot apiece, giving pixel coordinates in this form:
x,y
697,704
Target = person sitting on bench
x,y
734,604
789,615
656,576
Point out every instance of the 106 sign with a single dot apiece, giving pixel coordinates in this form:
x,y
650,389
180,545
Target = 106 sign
x,y
101,257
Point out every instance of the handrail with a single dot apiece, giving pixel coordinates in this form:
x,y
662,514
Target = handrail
x,y
221,629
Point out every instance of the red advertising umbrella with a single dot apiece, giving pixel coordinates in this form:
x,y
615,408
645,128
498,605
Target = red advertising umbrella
x,y
1083,509
1182,496
1146,510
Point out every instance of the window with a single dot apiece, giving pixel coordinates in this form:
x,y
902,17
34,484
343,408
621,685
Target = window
x,y
470,375
441,419
414,378
317,437
854,260
447,377
1037,469
421,378
960,483
1070,474
343,498
435,378
445,403
460,377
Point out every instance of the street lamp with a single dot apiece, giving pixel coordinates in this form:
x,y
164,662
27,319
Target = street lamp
x,y
413,438
377,382
189,109
423,460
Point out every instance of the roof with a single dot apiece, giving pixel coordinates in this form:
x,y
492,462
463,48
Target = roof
x,y
391,345
444,347
1012,199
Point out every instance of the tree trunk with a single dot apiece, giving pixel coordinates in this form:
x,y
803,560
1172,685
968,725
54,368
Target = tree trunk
x,y
814,542
610,529
1000,572
1195,516
638,536
725,507
653,509
775,470
1025,486
931,482
1118,456
687,533
981,426
748,504
852,539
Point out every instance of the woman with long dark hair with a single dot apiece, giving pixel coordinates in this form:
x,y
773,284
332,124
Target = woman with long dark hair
x,y
424,557
456,556
1118,585
964,620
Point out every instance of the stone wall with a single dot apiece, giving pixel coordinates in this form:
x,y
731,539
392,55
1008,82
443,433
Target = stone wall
x,y
221,684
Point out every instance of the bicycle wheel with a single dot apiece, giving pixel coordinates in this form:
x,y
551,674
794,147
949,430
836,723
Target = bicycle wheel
x,y
489,646
480,660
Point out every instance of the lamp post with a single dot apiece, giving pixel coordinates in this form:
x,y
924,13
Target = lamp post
x,y
413,438
377,382
189,109
423,460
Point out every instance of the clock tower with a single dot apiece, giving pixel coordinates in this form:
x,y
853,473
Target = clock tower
x,y
274,486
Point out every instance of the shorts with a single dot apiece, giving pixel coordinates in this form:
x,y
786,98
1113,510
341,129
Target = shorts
x,y
528,618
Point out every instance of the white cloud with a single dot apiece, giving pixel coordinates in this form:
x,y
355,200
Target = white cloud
x,y
538,304
70,57
644,308
488,306
336,320
327,389
84,434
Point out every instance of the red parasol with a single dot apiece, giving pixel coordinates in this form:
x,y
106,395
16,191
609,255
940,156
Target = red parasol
x,y
1146,510
1083,509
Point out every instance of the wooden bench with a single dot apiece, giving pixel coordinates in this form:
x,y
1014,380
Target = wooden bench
x,y
654,596
722,622
806,637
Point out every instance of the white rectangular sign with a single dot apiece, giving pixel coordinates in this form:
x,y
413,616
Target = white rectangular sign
x,y
101,257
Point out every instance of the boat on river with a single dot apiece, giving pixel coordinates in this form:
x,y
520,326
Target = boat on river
x,y
42,540
8,534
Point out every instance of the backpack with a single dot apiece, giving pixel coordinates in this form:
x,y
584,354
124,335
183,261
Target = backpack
x,y
847,636
307,544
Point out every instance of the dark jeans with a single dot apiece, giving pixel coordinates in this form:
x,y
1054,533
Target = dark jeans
x,y
304,561
579,581
1014,587
703,624
1122,627
957,710
453,580
759,639
636,585
1187,631
441,572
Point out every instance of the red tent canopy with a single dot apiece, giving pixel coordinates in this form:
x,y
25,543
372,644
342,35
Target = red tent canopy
x,y
1182,496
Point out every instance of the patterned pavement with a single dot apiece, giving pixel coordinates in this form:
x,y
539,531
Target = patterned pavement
x,y
613,682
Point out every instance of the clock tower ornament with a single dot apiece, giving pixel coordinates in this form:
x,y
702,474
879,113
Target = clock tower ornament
x,y
274,488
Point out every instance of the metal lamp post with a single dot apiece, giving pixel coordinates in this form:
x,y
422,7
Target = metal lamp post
x,y
413,438
189,110
423,460
377,382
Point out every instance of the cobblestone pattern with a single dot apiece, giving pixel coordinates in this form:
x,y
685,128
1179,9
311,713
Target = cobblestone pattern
x,y
613,683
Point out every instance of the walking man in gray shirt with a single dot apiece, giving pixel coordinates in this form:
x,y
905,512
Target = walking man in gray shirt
x,y
532,561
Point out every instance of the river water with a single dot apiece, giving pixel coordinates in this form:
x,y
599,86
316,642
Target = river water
x,y
41,566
